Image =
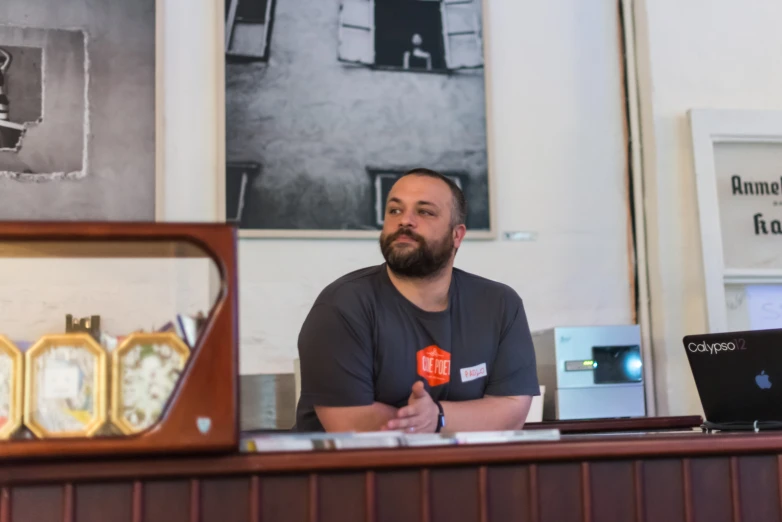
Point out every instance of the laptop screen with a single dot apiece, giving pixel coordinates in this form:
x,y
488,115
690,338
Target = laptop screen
x,y
738,374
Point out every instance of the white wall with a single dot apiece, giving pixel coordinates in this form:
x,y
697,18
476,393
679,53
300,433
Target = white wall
x,y
191,97
38,292
696,54
555,121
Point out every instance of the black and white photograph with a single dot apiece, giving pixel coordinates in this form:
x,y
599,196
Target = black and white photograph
x,y
78,109
25,82
328,102
42,134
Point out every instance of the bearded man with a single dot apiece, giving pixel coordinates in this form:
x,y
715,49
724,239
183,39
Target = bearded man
x,y
415,344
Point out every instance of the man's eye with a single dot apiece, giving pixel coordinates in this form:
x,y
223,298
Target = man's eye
x,y
393,210
426,213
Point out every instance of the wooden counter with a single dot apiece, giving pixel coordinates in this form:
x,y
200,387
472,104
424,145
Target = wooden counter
x,y
688,476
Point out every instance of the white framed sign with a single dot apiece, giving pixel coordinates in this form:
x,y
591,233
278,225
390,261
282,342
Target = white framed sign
x,y
737,159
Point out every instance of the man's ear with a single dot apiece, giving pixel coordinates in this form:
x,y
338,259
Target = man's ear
x,y
458,235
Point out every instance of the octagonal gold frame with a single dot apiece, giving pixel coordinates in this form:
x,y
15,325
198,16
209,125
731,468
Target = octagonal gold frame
x,y
80,340
16,388
168,338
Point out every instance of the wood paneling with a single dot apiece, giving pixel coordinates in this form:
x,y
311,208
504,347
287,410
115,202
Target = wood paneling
x,y
398,496
102,502
711,489
37,503
571,448
613,490
508,494
758,488
559,493
737,488
285,498
454,494
732,487
342,497
663,490
166,501
225,500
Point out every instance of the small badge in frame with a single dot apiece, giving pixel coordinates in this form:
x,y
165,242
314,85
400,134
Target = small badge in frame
x,y
65,386
146,369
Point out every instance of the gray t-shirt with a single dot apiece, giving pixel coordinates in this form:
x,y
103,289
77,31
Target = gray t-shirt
x,y
364,342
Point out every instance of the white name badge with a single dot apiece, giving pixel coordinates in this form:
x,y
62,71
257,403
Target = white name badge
x,y
473,372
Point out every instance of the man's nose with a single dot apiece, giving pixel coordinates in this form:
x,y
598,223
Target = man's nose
x,y
408,219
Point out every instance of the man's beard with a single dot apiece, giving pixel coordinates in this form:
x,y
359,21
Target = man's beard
x,y
416,261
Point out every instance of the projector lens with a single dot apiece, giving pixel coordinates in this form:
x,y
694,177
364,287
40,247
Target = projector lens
x,y
617,364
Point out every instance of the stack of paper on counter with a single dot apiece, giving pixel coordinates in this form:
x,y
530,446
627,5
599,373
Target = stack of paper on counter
x,y
275,442
280,442
412,440
495,437
369,439
320,441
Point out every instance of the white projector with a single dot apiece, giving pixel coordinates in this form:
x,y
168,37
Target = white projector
x,y
591,372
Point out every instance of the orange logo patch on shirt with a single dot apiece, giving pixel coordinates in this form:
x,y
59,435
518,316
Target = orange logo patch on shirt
x,y
434,365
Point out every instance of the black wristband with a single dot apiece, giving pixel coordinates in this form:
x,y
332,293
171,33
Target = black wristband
x,y
440,417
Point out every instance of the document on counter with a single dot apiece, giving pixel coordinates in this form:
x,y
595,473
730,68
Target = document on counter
x,y
280,442
494,437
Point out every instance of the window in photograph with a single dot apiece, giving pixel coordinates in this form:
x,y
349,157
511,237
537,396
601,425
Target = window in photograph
x,y
413,35
247,29
239,178
409,35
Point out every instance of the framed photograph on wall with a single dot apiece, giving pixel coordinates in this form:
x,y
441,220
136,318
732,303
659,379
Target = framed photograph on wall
x,y
736,155
325,111
65,386
80,130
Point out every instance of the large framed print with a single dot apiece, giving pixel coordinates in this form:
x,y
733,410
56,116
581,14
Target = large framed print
x,y
736,158
11,387
65,386
402,85
145,370
80,103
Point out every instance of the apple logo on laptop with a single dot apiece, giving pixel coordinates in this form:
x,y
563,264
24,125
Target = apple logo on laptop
x,y
763,381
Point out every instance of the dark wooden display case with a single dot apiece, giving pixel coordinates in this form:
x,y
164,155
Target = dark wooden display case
x,y
208,386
